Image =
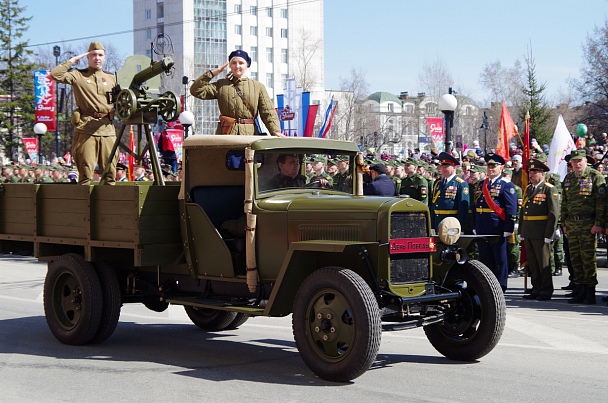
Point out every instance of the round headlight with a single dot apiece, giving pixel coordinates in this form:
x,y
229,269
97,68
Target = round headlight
x,y
449,230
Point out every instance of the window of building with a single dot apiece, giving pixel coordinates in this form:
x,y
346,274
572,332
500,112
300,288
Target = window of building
x,y
284,78
269,80
238,29
254,10
254,54
237,8
253,30
269,31
283,13
391,107
269,58
148,34
269,12
283,32
148,14
284,56
253,75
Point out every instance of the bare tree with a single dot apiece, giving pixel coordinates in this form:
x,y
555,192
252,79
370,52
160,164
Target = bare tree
x,y
435,78
306,49
503,83
352,118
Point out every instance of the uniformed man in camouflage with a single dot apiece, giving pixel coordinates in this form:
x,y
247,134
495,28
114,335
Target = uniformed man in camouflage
x,y
450,195
94,132
537,224
318,172
398,175
413,184
583,212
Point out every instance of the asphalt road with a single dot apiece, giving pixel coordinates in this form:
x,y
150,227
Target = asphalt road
x,y
550,352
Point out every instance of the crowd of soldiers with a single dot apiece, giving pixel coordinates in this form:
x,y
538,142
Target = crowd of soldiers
x,y
58,173
556,222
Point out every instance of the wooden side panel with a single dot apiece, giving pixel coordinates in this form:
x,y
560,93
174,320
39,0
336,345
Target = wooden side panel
x,y
115,213
63,211
17,209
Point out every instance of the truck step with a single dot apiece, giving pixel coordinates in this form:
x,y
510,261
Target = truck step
x,y
221,304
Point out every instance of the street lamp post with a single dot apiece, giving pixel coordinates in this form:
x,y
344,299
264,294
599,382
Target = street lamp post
x,y
186,118
447,105
40,130
56,53
484,126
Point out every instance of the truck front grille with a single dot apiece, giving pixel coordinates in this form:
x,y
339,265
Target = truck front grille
x,y
409,267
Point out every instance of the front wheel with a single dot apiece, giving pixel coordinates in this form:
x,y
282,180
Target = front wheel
x,y
473,324
336,324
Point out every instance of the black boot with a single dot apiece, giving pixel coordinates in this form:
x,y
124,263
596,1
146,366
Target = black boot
x,y
589,295
575,291
578,294
569,286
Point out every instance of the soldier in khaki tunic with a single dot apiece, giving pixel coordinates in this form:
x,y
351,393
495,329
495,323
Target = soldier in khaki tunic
x,y
94,132
238,97
583,211
537,224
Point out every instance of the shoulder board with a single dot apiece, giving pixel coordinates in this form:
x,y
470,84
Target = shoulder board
x,y
549,185
459,179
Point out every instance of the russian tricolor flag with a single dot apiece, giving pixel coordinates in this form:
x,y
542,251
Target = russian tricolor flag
x,y
329,116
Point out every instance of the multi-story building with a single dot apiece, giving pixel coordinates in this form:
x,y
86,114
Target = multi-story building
x,y
279,35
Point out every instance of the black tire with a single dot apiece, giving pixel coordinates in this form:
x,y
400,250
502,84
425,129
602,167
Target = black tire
x,y
473,324
73,299
239,319
156,305
210,320
336,324
112,301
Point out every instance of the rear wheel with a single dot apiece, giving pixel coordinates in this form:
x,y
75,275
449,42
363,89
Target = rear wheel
x,y
73,299
336,324
112,301
474,323
239,319
211,320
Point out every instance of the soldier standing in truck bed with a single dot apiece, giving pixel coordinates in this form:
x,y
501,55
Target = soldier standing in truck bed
x,y
94,132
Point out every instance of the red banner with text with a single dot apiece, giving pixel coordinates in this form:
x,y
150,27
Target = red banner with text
x,y
44,92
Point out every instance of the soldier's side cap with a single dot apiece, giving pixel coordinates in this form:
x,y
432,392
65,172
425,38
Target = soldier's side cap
x,y
96,46
445,158
411,161
380,168
343,158
320,158
478,168
494,159
536,165
507,172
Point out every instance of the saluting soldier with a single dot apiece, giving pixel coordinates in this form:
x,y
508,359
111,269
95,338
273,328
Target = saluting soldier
x,y
413,184
94,132
537,224
583,216
450,195
495,214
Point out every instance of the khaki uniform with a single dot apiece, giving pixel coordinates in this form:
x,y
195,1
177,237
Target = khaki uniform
x,y
537,221
415,187
94,137
231,104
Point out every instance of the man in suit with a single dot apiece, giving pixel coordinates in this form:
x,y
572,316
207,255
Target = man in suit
x,y
450,195
495,213
537,224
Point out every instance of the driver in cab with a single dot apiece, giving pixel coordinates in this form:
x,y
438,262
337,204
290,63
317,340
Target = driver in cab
x,y
289,173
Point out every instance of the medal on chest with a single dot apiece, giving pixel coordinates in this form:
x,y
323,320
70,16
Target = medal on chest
x,y
586,186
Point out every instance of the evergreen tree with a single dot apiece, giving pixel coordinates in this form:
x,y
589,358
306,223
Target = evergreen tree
x,y
536,105
16,78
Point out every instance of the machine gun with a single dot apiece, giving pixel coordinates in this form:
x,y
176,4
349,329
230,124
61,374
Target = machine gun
x,y
135,105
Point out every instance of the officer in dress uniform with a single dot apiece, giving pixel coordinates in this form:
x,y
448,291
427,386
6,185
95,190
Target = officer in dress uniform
x,y
537,224
413,184
450,195
121,172
583,216
94,132
495,214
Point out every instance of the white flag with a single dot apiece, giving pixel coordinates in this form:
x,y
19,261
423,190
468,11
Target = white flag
x,y
561,145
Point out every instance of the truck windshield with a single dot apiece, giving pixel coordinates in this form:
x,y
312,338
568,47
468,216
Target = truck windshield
x,y
286,170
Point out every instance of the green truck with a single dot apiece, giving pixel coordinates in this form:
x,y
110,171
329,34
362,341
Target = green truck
x,y
228,245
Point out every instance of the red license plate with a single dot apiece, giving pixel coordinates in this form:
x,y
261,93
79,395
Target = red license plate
x,y
411,245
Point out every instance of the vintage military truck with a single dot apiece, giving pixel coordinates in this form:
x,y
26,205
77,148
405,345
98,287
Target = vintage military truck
x,y
228,246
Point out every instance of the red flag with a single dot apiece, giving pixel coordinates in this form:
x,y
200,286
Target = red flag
x,y
310,120
506,131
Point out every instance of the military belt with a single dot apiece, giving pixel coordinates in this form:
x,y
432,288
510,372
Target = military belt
x,y
445,212
579,217
484,210
245,121
99,115
535,217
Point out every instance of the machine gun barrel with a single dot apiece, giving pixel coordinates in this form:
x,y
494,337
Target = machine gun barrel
x,y
155,69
